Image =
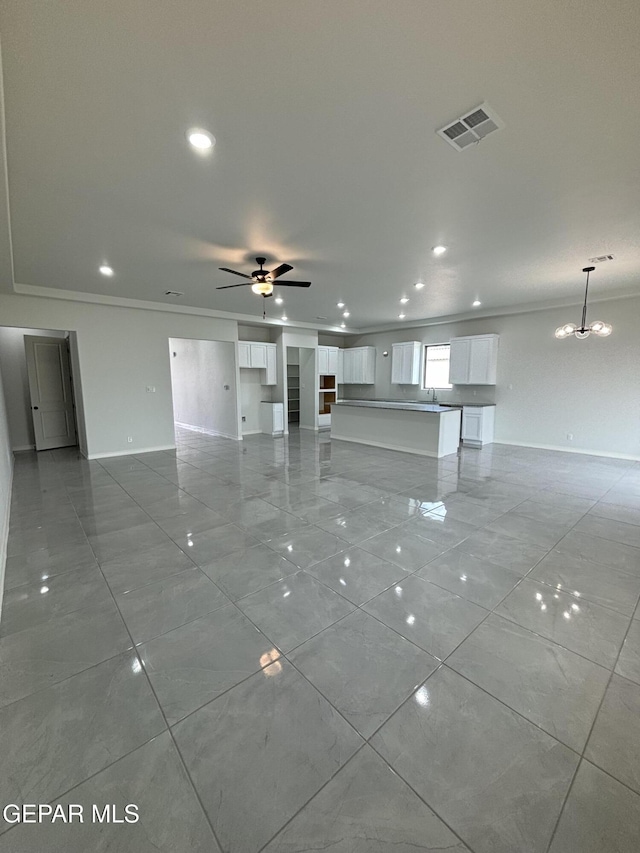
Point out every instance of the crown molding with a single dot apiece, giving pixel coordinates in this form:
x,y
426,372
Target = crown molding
x,y
143,305
505,311
250,319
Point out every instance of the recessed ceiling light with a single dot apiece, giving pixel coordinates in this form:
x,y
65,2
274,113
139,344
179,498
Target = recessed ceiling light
x,y
401,316
200,139
284,317
340,304
105,269
346,314
343,325
419,285
279,300
476,303
404,300
439,250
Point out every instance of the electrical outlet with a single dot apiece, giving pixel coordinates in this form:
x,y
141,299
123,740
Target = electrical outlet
x,y
130,439
151,389
569,436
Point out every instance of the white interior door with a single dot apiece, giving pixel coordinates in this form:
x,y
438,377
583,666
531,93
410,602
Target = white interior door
x,y
50,389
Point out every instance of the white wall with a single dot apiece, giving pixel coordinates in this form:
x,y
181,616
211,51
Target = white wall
x,y
13,363
252,393
546,388
203,379
6,470
120,352
267,334
309,386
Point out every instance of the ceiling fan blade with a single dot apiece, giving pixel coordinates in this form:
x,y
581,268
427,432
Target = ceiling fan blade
x,y
234,272
227,286
280,270
294,284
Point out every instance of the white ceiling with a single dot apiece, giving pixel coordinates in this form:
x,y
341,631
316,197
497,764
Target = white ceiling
x,y
327,158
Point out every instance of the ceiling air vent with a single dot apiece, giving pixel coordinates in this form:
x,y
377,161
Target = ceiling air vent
x,y
173,293
600,259
469,129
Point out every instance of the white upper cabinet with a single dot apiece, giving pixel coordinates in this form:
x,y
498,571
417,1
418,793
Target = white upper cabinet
x,y
328,361
244,354
271,372
473,360
359,366
333,361
406,359
323,360
259,355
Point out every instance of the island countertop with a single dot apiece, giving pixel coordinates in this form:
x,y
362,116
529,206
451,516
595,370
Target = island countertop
x,y
423,428
396,404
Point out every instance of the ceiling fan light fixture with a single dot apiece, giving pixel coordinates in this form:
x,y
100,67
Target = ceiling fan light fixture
x,y
262,288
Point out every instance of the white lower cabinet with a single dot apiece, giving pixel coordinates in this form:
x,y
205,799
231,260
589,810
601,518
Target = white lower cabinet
x,y
478,425
272,418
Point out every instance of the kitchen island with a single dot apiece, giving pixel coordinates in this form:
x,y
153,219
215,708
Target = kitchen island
x,y
423,428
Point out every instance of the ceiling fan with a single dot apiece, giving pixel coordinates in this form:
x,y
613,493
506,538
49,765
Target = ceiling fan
x,y
261,280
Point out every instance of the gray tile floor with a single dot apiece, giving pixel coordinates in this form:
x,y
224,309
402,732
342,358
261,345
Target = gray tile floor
x,y
298,644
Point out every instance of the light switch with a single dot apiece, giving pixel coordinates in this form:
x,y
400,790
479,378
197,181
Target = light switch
x,y
151,389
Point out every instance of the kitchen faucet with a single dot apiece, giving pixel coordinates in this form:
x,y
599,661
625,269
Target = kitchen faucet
x,y
434,399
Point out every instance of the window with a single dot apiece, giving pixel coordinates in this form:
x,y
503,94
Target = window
x,y
436,366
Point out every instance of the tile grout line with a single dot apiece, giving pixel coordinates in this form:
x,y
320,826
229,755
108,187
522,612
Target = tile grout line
x,y
586,743
356,607
161,710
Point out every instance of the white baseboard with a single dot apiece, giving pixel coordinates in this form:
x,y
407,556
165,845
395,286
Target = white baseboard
x,y
563,449
23,448
132,452
251,432
212,432
4,535
387,446
312,428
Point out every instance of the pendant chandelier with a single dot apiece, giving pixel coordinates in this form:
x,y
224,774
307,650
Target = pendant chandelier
x,y
583,331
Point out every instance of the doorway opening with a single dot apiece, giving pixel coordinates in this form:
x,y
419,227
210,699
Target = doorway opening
x,y
203,386
301,382
43,393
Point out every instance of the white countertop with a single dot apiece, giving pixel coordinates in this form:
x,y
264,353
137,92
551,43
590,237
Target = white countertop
x,y
434,408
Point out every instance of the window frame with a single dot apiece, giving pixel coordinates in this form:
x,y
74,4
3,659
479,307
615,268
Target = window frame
x,y
425,362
